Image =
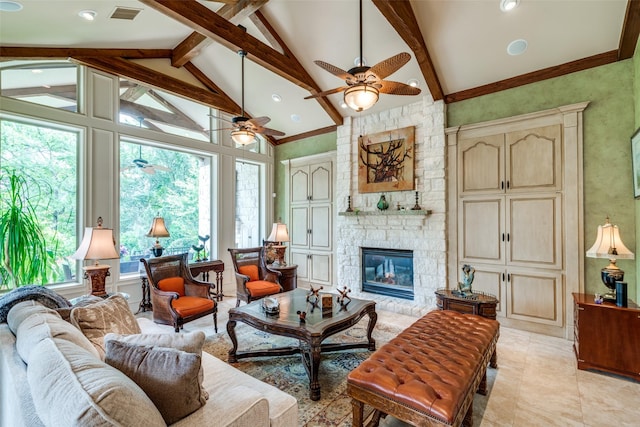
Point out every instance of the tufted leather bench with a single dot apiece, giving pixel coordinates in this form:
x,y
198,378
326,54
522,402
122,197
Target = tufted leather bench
x,y
427,375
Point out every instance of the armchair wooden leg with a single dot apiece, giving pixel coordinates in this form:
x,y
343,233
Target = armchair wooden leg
x,y
238,303
176,327
215,321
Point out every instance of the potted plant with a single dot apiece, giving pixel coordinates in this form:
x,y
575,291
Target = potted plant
x,y
24,258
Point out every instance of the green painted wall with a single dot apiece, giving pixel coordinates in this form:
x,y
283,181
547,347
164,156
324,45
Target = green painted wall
x,y
636,92
608,124
305,147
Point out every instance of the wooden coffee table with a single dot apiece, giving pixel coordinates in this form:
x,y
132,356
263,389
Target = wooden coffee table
x,y
318,325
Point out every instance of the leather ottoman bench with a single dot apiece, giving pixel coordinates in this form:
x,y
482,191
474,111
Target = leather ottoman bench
x,y
427,375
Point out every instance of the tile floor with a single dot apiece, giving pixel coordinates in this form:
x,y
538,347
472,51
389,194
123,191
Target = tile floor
x,y
537,384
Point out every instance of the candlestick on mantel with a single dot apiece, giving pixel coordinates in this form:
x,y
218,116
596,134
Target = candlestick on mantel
x,y
349,204
416,207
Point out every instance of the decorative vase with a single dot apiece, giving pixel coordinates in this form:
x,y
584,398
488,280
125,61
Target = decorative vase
x,y
383,205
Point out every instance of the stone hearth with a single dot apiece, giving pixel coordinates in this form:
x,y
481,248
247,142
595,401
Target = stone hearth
x,y
425,235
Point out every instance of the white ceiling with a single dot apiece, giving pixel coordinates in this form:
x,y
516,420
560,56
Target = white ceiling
x,y
466,39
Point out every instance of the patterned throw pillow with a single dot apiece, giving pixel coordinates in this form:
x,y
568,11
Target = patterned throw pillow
x,y
167,375
111,315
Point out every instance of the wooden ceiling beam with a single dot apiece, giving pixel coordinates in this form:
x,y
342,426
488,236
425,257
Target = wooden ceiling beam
x,y
141,74
9,52
401,17
535,76
630,30
234,12
260,21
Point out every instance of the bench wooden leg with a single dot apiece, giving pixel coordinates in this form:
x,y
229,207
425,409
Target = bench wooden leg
x,y
468,418
358,409
482,387
494,359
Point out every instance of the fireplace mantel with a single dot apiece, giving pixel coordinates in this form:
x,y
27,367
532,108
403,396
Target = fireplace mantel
x,y
418,212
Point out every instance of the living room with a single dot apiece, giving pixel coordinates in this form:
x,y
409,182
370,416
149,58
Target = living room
x,y
607,122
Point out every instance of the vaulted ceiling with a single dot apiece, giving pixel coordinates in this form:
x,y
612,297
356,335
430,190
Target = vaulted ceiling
x,y
458,47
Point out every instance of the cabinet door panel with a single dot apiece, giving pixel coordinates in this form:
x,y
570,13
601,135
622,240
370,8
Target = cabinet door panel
x,y
302,260
320,182
320,227
535,296
481,162
321,268
533,159
299,184
299,226
534,231
481,230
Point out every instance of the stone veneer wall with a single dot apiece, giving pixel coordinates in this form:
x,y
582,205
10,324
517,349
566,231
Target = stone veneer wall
x,y
425,235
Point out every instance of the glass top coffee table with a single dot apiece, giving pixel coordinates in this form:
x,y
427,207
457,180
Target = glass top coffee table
x,y
318,325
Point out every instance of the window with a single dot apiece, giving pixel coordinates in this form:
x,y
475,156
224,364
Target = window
x,y
47,158
175,185
49,83
248,201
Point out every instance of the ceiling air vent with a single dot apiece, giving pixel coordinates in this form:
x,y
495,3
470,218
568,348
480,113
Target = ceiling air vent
x,y
125,13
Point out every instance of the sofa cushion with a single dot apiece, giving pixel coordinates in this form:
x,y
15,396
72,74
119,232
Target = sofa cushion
x,y
167,375
71,387
43,325
22,310
172,284
190,342
110,315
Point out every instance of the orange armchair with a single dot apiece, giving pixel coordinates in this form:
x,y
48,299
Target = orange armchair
x,y
177,298
253,279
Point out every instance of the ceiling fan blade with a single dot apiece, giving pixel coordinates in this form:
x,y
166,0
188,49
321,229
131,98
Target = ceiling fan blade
x,y
397,88
327,92
338,72
270,132
160,168
390,65
258,121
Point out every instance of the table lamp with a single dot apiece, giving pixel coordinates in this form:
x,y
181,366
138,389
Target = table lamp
x,y
279,234
98,243
608,244
158,229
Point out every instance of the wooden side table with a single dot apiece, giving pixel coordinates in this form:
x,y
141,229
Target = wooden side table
x,y
289,278
479,303
204,267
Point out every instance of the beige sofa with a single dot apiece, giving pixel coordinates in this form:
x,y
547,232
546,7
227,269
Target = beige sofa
x,y
234,398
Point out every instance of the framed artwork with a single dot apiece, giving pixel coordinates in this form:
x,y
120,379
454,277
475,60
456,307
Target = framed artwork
x,y
386,161
635,158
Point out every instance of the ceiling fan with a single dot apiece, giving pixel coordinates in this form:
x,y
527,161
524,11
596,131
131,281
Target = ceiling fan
x,y
364,84
244,129
145,166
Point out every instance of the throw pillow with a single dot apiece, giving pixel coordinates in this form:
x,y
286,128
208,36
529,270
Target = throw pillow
x,y
110,315
172,284
251,271
190,342
71,387
168,376
84,300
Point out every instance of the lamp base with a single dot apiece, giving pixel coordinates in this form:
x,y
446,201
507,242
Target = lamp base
x,y
610,275
97,275
279,256
157,251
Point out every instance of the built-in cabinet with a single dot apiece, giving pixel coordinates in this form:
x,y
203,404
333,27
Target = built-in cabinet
x,y
512,182
311,214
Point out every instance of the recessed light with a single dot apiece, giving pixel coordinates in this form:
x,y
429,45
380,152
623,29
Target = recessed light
x,y
88,15
507,5
295,118
276,97
413,82
360,62
517,47
10,6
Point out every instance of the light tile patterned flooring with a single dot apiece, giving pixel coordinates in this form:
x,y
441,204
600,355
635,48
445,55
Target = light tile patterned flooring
x,y
537,384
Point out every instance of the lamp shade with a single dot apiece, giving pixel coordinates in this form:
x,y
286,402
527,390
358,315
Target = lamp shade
x,y
361,96
279,233
158,228
243,137
608,244
97,243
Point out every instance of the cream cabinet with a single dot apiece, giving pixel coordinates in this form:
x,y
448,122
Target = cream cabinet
x,y
514,193
311,219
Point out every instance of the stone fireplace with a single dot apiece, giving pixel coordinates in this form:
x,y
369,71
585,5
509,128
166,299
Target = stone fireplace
x,y
423,235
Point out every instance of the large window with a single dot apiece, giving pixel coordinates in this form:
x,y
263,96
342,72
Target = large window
x,y
248,200
46,157
173,185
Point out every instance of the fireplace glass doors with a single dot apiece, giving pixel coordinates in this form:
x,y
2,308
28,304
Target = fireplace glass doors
x,y
388,272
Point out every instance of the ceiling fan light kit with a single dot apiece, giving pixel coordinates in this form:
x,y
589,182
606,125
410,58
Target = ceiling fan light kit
x,y
243,137
361,97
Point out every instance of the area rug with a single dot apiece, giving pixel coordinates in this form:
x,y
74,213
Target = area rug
x,y
288,373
